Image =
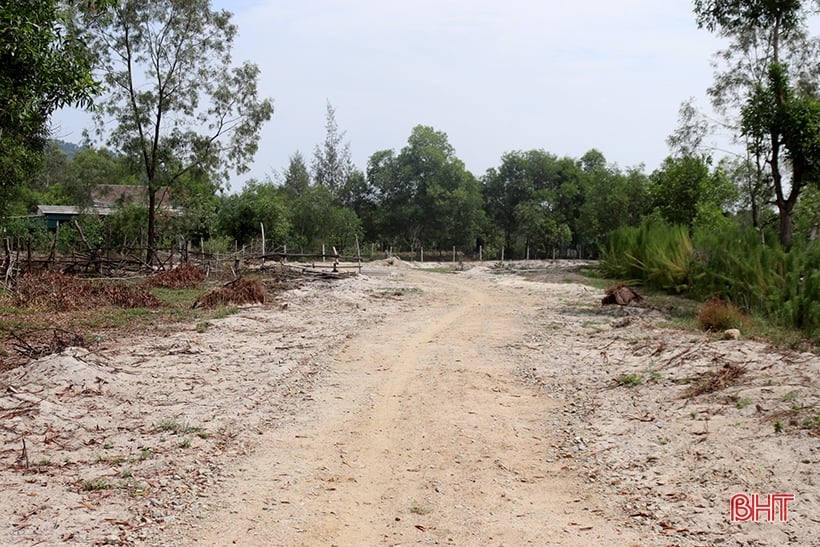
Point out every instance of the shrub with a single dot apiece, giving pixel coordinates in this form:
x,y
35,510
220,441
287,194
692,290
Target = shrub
x,y
655,253
717,315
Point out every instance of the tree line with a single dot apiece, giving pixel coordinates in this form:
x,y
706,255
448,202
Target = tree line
x,y
174,114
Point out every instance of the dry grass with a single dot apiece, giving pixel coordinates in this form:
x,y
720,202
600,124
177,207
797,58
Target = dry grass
x,y
717,315
238,291
716,380
57,292
186,276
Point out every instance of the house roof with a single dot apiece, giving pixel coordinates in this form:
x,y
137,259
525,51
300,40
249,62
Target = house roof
x,y
71,210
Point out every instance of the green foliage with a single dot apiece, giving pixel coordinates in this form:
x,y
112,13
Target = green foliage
x,y
534,199
242,216
177,103
332,165
633,379
684,186
655,253
733,264
612,199
797,301
43,67
424,196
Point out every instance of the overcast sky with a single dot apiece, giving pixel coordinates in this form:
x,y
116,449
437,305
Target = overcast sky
x,y
494,75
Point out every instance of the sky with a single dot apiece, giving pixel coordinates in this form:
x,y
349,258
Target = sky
x,y
495,76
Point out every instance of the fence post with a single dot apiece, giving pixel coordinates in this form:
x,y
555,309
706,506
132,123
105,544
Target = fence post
x,y
262,225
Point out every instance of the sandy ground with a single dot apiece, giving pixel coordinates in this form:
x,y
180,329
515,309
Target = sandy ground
x,y
403,407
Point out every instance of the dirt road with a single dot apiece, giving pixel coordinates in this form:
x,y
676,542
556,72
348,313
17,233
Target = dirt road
x,y
414,407
424,433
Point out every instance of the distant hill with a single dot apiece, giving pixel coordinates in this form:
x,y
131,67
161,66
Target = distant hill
x,y
69,148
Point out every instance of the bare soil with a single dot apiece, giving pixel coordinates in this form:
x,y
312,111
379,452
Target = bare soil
x,y
406,406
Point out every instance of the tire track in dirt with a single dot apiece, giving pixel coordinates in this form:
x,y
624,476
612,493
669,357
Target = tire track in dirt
x,y
423,433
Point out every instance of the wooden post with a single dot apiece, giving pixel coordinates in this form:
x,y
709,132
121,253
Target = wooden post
x,y
323,252
502,254
528,252
454,253
481,253
262,225
422,253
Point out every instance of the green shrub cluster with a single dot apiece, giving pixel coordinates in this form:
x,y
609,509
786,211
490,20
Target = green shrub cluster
x,y
731,263
655,253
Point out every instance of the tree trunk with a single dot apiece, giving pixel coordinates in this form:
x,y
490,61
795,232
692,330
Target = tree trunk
x,y
151,254
786,211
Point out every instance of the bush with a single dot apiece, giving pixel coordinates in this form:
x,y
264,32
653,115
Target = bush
x,y
733,264
717,315
655,253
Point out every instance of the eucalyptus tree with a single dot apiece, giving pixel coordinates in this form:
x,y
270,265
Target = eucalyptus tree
x,y
175,102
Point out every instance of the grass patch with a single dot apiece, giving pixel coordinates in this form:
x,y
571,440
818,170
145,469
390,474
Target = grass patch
x,y
225,311
743,403
176,297
93,485
179,428
811,423
420,510
632,379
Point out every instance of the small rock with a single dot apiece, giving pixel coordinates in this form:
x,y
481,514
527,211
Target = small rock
x,y
731,334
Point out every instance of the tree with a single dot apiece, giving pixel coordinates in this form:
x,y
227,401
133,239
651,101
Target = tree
x,y
317,219
43,66
505,188
297,178
612,198
331,161
765,35
240,215
788,125
177,103
683,186
438,201
532,183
